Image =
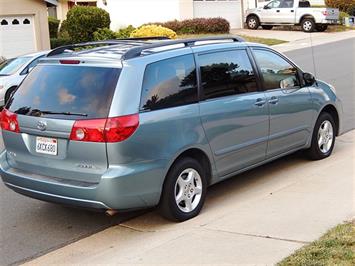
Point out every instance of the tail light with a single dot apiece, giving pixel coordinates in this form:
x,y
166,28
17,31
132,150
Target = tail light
x,y
114,129
9,121
325,13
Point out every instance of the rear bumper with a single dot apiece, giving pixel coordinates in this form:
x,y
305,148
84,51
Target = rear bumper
x,y
120,188
330,22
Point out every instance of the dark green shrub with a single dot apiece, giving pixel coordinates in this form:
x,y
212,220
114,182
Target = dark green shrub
x,y
197,25
82,22
351,10
104,34
53,25
125,32
343,5
56,42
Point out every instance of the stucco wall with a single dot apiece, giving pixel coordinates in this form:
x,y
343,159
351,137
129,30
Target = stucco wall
x,y
138,12
37,8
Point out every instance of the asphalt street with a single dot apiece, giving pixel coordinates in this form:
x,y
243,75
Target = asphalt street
x,y
29,228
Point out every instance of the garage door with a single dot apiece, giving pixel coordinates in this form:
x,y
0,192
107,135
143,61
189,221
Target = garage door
x,y
228,9
17,35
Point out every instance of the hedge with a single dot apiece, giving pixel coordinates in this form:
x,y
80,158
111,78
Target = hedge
x,y
53,25
197,25
343,5
153,30
82,22
56,42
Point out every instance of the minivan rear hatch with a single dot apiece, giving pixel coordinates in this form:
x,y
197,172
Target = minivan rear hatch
x,y
41,115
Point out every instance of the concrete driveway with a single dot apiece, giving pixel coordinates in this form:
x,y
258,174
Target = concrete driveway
x,y
255,218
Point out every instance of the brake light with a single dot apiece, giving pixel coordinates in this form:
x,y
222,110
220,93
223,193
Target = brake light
x,y
115,129
9,121
69,62
325,13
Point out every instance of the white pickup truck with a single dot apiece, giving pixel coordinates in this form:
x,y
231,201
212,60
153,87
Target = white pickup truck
x,y
291,12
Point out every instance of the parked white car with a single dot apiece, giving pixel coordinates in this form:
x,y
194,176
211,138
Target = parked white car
x,y
14,70
292,12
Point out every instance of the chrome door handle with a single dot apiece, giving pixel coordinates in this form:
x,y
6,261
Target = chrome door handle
x,y
260,102
273,100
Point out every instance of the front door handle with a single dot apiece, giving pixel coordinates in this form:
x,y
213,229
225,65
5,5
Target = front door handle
x,y
273,100
292,11
277,11
260,102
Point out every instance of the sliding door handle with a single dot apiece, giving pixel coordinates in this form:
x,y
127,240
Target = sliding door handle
x,y
274,100
260,102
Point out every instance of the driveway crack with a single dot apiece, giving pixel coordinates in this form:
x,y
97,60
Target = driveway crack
x,y
259,236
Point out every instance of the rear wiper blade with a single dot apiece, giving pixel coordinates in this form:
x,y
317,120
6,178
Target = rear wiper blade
x,y
58,113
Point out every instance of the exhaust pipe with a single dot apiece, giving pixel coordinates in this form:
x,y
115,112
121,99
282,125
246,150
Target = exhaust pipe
x,y
111,212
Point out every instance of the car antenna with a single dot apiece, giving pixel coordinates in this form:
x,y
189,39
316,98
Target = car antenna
x,y
313,60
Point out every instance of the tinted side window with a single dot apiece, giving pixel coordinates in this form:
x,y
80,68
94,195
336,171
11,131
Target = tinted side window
x,y
169,83
226,73
276,71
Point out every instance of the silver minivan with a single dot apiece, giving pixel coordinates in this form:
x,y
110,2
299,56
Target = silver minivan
x,y
132,124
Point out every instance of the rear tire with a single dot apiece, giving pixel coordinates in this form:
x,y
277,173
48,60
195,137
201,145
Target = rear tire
x,y
253,22
267,27
323,138
184,190
321,28
308,25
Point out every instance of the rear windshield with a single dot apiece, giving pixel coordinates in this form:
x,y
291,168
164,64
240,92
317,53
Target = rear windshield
x,y
66,92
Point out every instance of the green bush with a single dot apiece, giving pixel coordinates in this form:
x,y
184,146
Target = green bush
x,y
198,25
82,22
343,5
125,32
351,10
53,25
56,42
104,34
342,15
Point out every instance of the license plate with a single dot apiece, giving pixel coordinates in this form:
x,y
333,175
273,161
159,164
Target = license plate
x,y
46,145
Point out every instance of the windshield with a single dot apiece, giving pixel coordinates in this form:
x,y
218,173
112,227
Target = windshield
x,y
10,66
66,92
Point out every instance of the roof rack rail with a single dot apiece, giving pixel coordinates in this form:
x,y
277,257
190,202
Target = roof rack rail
x,y
61,49
137,51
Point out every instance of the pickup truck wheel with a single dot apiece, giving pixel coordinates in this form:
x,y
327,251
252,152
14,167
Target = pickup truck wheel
x,y
321,28
253,22
267,27
308,25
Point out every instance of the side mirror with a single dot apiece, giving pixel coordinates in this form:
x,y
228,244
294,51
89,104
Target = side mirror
x,y
309,79
266,7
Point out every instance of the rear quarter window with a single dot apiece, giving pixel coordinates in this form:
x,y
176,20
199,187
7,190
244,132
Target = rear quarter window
x,y
169,83
56,88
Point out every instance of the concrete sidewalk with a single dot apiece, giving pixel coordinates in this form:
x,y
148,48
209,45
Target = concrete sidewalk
x,y
297,39
258,217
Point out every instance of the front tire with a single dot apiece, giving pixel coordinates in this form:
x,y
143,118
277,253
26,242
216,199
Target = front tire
x,y
253,22
308,25
184,190
323,138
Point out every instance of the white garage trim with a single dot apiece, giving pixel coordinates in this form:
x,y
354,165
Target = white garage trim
x,y
17,34
231,10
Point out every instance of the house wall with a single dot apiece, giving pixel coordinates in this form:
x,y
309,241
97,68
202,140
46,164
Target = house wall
x,y
138,12
62,9
38,9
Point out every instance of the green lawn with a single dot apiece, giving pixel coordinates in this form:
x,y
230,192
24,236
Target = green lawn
x,y
336,247
266,41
